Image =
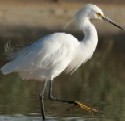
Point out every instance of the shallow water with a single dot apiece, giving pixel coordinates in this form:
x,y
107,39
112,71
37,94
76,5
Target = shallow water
x,y
99,83
24,118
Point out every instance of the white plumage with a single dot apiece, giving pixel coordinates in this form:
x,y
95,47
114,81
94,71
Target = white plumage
x,y
48,57
54,53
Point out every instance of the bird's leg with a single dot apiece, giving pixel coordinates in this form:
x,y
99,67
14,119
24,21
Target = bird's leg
x,y
50,96
77,103
41,96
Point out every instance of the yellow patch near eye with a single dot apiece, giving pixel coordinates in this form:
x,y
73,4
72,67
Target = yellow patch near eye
x,y
99,14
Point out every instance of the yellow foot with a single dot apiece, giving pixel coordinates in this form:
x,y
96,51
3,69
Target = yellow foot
x,y
87,108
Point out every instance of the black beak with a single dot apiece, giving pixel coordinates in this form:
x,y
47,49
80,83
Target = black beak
x,y
111,22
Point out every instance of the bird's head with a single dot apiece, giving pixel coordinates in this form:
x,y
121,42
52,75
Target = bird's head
x,y
90,11
93,12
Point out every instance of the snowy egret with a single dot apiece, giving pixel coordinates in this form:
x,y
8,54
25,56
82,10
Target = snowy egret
x,y
54,53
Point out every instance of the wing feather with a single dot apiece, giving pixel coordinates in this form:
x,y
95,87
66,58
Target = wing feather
x,y
52,51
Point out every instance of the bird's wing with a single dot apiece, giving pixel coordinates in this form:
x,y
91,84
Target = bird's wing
x,y
43,54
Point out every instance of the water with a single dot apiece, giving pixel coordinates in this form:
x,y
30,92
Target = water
x,y
24,118
99,83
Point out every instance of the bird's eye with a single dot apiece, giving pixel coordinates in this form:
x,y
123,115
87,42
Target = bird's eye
x,y
99,14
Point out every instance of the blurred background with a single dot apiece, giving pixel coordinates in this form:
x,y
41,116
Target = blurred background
x,y
100,82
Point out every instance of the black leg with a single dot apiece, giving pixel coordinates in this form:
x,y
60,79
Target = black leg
x,y
77,103
52,98
41,96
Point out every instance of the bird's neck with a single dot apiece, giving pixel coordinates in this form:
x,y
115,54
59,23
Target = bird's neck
x,y
90,33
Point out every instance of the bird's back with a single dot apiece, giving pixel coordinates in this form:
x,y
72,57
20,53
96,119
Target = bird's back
x,y
46,58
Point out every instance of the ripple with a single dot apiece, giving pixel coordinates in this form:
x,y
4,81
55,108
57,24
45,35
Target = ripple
x,y
20,117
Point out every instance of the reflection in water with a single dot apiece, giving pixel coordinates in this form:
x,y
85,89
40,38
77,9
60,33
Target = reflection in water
x,y
24,118
100,82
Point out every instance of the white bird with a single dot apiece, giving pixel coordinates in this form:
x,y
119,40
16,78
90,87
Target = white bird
x,y
54,53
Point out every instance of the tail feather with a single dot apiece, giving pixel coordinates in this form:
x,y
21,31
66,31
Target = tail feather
x,y
7,68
